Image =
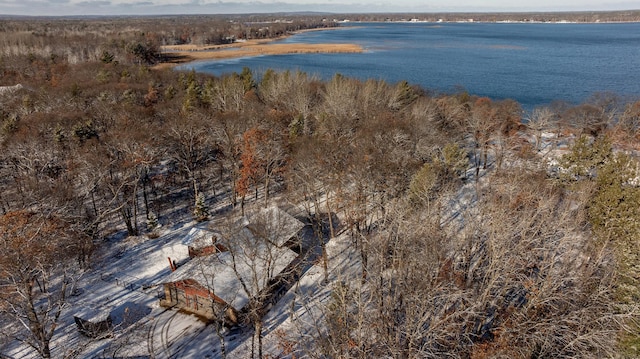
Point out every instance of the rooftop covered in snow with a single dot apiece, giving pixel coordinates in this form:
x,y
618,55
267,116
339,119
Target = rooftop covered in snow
x,y
201,237
239,273
274,224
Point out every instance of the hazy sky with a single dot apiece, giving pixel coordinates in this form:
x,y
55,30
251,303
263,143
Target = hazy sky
x,y
153,7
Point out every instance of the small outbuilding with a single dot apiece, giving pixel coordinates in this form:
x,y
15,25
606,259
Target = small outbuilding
x,y
202,242
93,323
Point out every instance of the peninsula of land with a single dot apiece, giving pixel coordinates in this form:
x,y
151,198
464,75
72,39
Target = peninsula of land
x,y
179,54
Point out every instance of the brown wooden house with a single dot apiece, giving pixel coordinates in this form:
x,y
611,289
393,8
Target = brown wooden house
x,y
218,282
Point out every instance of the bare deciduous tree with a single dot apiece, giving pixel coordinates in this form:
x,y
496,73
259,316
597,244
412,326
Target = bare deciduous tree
x,y
37,274
540,120
521,278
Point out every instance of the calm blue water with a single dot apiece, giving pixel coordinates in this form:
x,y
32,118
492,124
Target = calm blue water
x,y
533,64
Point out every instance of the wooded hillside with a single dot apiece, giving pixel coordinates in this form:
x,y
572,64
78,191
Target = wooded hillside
x,y
483,231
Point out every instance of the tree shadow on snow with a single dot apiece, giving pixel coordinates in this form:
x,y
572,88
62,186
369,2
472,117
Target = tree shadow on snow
x,y
128,313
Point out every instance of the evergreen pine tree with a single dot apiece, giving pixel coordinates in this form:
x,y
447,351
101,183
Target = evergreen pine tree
x,y
201,210
152,226
152,222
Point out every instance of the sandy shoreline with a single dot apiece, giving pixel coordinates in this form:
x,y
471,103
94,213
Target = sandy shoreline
x,y
179,54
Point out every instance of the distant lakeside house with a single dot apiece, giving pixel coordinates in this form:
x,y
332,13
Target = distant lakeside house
x,y
226,276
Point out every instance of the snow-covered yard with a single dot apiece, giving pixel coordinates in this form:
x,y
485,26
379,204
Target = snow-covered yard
x,y
123,283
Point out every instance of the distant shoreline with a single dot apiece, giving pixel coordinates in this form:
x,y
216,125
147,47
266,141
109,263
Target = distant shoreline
x,y
174,55
474,21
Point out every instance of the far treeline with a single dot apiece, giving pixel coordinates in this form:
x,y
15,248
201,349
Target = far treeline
x,y
134,39
577,16
483,231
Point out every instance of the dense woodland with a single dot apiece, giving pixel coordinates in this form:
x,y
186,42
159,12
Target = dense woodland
x,y
480,233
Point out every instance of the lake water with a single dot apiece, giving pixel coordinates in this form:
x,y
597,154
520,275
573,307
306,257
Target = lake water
x,y
534,64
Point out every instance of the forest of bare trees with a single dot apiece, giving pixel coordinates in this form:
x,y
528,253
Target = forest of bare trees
x,y
483,231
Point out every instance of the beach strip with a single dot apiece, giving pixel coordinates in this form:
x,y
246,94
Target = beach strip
x,y
179,54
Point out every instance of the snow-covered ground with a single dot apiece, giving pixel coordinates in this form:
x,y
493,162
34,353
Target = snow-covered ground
x,y
120,283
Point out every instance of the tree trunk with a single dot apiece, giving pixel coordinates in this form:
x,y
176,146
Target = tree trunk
x,y
93,201
219,327
145,195
35,325
2,203
135,208
317,226
234,195
195,188
485,151
242,205
363,254
253,346
325,262
266,189
46,351
330,218
258,326
125,212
